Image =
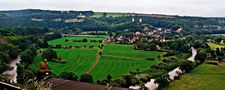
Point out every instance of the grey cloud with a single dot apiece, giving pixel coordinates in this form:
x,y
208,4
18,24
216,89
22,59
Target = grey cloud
x,y
172,7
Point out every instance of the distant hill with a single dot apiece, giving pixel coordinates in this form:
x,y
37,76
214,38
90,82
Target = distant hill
x,y
110,21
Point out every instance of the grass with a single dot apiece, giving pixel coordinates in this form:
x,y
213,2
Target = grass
x,y
214,45
110,14
62,42
78,61
116,59
204,77
121,59
127,51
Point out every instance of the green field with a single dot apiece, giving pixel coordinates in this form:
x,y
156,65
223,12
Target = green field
x,y
62,42
214,45
116,59
110,14
121,59
78,61
204,77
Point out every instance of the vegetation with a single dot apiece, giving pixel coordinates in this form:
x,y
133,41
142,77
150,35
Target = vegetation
x,y
196,79
115,49
214,45
78,61
69,76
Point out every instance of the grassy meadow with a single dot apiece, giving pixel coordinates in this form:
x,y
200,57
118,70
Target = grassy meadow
x,y
121,59
214,45
116,59
204,77
78,61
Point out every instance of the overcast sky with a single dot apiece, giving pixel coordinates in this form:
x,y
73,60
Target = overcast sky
x,y
210,8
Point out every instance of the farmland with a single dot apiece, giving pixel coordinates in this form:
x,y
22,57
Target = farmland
x,y
61,41
116,59
204,77
121,59
78,61
214,45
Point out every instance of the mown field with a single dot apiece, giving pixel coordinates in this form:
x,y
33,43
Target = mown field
x,y
62,42
120,59
109,14
214,45
115,61
78,61
204,77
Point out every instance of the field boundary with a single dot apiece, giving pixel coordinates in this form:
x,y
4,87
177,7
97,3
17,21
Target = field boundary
x,y
98,56
122,57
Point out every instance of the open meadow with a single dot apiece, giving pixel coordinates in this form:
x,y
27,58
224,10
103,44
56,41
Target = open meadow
x,y
121,59
204,77
214,45
78,61
115,60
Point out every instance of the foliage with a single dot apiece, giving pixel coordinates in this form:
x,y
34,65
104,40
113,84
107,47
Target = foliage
x,y
201,56
49,54
187,66
69,76
86,78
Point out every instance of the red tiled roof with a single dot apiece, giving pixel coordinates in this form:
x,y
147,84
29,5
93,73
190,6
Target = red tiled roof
x,y
59,84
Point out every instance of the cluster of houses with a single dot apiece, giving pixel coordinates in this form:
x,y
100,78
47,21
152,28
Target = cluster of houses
x,y
148,33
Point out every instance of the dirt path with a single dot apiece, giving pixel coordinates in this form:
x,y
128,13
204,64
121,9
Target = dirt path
x,y
97,58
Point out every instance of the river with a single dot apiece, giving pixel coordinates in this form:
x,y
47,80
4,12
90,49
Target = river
x,y
151,85
12,74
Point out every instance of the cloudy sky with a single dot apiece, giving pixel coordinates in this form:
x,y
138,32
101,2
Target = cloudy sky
x,y
210,8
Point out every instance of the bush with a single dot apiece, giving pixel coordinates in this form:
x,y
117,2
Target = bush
x,y
150,59
84,40
69,76
66,40
170,53
86,78
177,77
187,66
49,54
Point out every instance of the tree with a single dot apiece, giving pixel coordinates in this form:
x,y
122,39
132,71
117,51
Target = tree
x,y
161,79
84,40
217,51
86,78
220,59
104,15
201,56
128,80
69,76
66,40
109,77
187,66
49,54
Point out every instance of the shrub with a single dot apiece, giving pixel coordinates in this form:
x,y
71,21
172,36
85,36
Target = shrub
x,y
86,78
69,76
150,59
